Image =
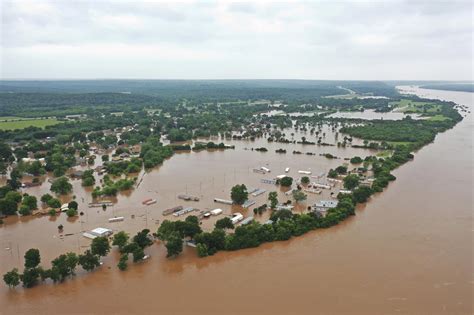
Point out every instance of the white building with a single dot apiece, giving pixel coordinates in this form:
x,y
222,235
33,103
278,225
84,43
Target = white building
x,y
98,232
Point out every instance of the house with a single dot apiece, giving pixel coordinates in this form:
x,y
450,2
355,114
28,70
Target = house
x,y
323,206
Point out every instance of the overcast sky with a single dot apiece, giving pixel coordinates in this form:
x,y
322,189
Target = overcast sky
x,y
429,40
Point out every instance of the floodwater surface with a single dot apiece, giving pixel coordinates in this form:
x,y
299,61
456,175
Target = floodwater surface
x,y
407,251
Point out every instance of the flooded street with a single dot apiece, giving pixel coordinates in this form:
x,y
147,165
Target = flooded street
x,y
408,251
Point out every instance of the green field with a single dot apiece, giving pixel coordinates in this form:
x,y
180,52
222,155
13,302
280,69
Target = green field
x,y
438,118
4,118
12,124
409,106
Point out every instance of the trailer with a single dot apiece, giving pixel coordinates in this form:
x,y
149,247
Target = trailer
x,y
224,201
251,191
284,207
188,197
287,170
268,181
116,219
324,186
266,169
236,217
246,221
345,192
184,211
313,191
258,192
257,170
248,203
172,210
216,211
100,204
150,202
305,172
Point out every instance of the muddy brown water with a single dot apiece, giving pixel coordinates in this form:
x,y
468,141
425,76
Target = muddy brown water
x,y
408,251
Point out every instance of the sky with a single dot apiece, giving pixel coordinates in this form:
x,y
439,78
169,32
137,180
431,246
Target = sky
x,y
340,40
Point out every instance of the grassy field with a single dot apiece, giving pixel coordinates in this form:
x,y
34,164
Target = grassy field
x,y
395,143
410,106
384,154
12,124
438,118
6,118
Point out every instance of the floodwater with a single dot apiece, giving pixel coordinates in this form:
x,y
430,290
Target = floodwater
x,y
371,114
408,251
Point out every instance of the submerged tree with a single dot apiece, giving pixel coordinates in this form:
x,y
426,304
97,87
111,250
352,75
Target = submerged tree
x,y
239,194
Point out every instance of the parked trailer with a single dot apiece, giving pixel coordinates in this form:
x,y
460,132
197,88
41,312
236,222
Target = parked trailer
x,y
150,202
224,201
266,169
284,207
334,180
188,197
236,217
216,211
100,204
257,170
305,172
144,202
345,192
313,191
184,211
116,219
268,181
324,186
172,210
251,191
246,221
248,203
258,192
287,170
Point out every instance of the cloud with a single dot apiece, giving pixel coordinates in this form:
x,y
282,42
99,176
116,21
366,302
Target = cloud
x,y
245,39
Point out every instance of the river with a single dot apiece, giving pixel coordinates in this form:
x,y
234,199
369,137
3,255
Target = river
x,y
408,251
